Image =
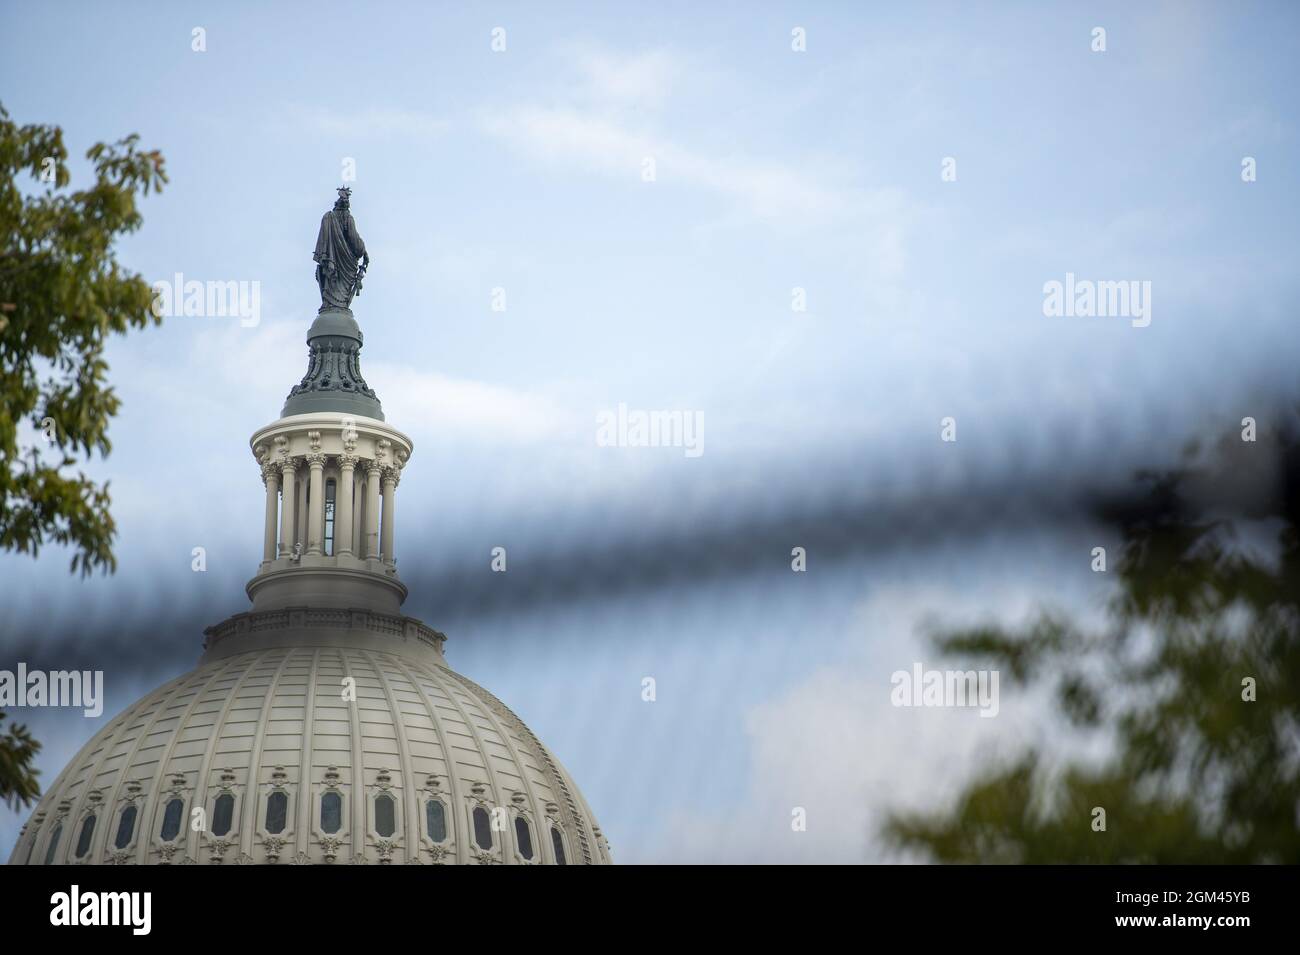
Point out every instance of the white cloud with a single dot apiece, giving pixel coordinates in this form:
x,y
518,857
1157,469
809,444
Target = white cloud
x,y
607,126
761,188
445,407
641,80
835,745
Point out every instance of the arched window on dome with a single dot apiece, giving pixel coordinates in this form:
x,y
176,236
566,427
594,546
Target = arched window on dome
x,y
125,827
87,833
385,816
171,824
277,812
331,813
523,837
557,843
482,828
54,843
223,814
435,818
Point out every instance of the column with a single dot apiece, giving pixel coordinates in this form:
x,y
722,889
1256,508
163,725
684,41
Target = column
x,y
372,510
316,504
390,488
358,514
343,505
271,478
300,518
286,508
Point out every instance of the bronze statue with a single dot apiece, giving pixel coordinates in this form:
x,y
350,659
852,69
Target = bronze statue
x,y
341,257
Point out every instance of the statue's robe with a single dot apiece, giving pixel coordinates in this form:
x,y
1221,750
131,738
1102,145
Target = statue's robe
x,y
338,254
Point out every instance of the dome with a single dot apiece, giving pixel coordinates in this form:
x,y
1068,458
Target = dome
x,y
343,738
322,725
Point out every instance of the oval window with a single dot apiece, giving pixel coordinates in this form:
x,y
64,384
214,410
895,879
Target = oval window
x,y
482,828
54,844
171,826
223,814
557,841
277,811
436,817
385,824
331,812
87,831
524,836
125,827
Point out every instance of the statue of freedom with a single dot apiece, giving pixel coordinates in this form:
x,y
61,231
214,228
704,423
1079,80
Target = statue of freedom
x,y
341,257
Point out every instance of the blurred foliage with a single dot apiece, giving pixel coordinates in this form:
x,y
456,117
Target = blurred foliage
x,y
18,785
62,294
1196,774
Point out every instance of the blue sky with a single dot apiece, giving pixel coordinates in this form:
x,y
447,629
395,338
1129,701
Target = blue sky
x,y
775,169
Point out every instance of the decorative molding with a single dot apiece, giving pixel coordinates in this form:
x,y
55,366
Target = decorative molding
x,y
385,848
330,845
217,849
438,852
334,367
168,849
389,625
274,846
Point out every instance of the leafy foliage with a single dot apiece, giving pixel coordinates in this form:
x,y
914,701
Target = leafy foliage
x,y
1197,774
18,784
62,294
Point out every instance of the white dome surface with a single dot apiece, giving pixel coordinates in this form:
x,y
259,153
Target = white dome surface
x,y
263,738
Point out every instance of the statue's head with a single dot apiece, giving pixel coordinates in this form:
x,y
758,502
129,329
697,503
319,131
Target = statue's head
x,y
345,197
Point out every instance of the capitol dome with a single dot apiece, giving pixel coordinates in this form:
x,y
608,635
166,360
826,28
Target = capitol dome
x,y
423,766
322,726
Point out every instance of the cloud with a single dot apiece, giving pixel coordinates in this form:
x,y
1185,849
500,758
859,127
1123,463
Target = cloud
x,y
642,80
836,747
761,188
607,126
456,407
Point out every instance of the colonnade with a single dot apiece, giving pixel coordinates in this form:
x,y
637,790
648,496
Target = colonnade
x,y
283,496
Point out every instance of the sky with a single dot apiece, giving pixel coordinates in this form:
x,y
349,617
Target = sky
x,y
913,176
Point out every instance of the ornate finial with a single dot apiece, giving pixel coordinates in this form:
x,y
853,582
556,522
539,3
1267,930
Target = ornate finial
x,y
341,257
